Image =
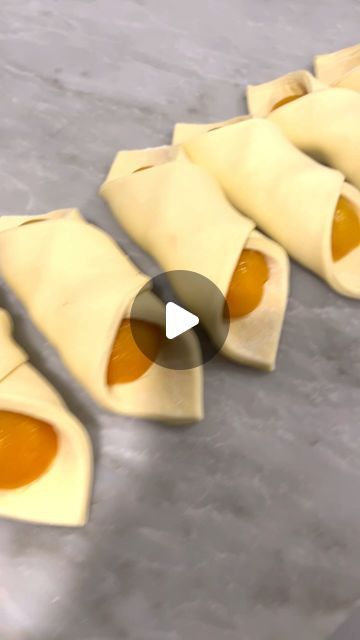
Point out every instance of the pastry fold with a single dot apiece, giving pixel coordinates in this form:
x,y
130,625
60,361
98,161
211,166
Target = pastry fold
x,y
287,194
261,98
61,495
324,123
340,69
78,286
177,213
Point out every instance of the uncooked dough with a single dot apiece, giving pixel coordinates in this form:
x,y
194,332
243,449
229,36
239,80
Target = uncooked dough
x,y
261,98
289,195
178,213
341,68
324,123
61,495
78,286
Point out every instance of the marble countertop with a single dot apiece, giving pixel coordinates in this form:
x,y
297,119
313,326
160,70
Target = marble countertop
x,y
246,526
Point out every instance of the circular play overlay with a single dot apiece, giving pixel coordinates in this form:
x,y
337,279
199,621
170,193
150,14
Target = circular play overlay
x,y
191,314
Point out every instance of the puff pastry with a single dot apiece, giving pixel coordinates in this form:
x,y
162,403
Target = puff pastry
x,y
78,286
178,214
341,68
61,495
289,195
324,123
263,98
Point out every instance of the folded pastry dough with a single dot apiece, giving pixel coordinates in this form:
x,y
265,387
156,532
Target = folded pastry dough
x,y
60,496
11,222
177,212
289,195
340,69
324,123
78,286
263,98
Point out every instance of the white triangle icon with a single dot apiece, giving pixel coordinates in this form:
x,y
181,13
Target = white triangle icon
x,y
178,320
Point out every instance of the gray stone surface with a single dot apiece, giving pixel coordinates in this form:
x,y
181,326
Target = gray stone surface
x,y
247,526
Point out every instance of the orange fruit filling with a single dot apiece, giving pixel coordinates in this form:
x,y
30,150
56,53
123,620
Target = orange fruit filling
x,y
247,285
27,448
30,222
345,229
285,100
150,166
127,362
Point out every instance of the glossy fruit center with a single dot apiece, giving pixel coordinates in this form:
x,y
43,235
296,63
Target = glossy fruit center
x,y
150,166
285,100
247,285
27,448
345,230
127,362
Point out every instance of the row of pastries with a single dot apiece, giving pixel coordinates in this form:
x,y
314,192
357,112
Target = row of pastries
x,y
204,203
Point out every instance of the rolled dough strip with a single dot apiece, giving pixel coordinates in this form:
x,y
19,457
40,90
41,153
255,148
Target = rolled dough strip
x,y
178,214
61,495
289,195
78,286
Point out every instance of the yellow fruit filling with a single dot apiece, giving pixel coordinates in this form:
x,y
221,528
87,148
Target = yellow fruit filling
x,y
247,285
345,229
127,362
285,100
27,448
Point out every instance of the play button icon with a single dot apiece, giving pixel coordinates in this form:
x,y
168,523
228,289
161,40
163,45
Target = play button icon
x,y
192,315
178,320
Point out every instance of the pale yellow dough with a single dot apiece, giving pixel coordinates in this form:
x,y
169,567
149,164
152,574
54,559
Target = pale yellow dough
x,y
341,68
78,286
324,123
289,195
178,213
261,98
61,495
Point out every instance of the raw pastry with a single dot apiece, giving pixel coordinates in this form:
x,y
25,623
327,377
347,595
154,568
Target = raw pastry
x,y
264,98
306,207
341,68
322,122
10,222
79,288
178,213
45,453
